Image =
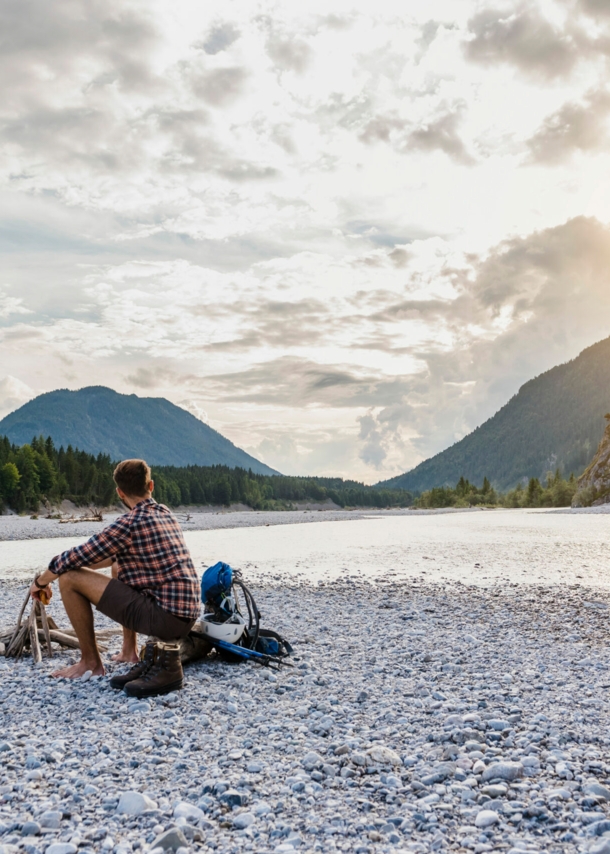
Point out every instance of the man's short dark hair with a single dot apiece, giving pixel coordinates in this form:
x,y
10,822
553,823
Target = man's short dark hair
x,y
132,477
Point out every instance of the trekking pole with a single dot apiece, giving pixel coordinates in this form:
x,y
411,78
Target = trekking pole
x,y
250,654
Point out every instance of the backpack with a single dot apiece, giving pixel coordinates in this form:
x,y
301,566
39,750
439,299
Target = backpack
x,y
216,585
271,643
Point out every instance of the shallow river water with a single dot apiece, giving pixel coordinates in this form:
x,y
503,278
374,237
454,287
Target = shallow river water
x,y
522,546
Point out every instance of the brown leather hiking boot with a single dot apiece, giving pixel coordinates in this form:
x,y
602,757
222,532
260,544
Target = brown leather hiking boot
x,y
139,669
163,676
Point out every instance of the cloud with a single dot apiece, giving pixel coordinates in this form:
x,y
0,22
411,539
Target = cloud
x,y
11,305
441,134
594,8
219,86
219,38
574,127
524,39
289,53
13,394
372,451
292,381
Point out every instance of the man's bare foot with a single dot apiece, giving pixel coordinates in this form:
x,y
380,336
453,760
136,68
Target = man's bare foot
x,y
75,671
130,656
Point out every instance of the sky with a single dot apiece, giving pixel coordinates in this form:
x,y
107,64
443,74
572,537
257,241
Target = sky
x,y
341,233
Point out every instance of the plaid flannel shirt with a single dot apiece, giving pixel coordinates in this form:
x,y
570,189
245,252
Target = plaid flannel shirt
x,y
148,546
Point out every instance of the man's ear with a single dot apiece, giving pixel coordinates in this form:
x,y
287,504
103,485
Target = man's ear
x,y
151,486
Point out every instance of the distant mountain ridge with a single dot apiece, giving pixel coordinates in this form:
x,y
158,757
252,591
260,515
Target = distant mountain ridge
x,y
554,421
97,419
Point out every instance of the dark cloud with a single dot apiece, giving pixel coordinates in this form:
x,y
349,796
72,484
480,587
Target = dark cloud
x,y
523,38
292,381
44,44
399,257
219,86
219,38
595,8
440,133
380,129
274,323
574,127
153,377
289,54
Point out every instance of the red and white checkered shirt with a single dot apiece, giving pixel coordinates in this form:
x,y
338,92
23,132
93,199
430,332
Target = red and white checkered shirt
x,y
148,545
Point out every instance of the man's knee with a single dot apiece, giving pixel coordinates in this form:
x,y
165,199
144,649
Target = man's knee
x,y
66,579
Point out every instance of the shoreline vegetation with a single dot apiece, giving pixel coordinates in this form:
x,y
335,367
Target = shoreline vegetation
x,y
555,492
39,475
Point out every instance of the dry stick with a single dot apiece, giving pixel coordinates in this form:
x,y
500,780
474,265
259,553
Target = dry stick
x,y
45,627
65,640
18,626
34,643
17,641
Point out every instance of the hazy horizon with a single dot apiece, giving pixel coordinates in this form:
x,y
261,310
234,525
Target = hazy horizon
x,y
343,237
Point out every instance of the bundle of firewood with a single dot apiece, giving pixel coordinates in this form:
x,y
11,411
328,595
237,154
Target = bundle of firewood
x,y
39,631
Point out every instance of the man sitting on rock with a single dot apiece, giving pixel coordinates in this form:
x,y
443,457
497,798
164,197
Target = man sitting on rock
x,y
155,590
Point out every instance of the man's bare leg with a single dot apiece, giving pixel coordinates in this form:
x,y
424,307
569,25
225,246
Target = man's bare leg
x,y
79,589
129,650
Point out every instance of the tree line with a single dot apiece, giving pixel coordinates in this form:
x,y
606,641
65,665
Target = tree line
x,y
39,473
554,492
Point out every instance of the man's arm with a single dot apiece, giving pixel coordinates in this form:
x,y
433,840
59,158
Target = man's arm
x,y
97,552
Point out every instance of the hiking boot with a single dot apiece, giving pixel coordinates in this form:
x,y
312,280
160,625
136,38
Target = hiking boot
x,y
139,669
163,676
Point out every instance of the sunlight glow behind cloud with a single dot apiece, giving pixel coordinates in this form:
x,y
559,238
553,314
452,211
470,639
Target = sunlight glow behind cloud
x,y
344,236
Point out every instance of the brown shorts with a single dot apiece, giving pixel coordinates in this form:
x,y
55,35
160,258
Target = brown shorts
x,y
139,612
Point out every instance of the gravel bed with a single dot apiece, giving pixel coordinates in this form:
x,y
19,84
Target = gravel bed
x,y
14,527
418,718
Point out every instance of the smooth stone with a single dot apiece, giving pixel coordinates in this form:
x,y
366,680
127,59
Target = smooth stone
x,y
61,848
380,755
34,775
311,760
601,847
233,798
188,811
134,803
503,771
485,818
86,676
254,767
497,790
261,808
51,819
243,820
171,839
30,828
597,790
498,725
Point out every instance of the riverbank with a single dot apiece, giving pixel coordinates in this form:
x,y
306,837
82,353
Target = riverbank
x,y
15,527
418,717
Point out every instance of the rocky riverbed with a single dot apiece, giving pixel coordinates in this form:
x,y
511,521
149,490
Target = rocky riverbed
x,y
417,718
13,527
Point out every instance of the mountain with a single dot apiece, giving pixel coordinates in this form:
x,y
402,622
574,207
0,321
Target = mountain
x,y
554,421
99,420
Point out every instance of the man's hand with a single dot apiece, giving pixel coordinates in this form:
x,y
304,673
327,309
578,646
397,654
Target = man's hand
x,y
43,595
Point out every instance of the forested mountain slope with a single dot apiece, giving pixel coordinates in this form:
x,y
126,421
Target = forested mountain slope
x,y
555,421
98,420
